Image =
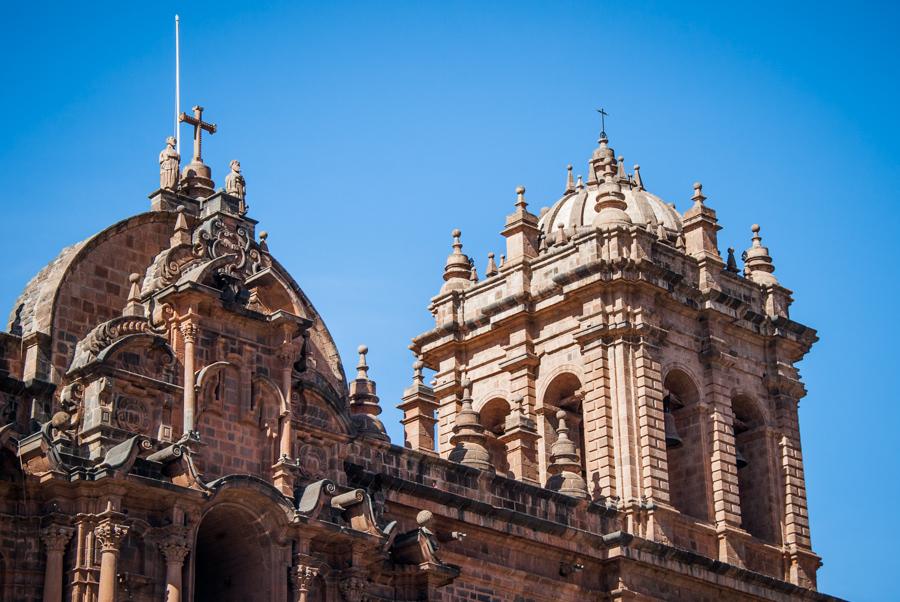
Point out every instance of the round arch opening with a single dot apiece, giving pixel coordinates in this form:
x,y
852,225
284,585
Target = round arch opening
x,y
232,559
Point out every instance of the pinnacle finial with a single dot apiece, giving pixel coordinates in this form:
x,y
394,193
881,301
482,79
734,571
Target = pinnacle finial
x,y
620,171
580,183
491,269
560,234
133,307
637,177
264,241
473,274
362,369
698,197
417,372
520,198
758,263
570,179
562,429
182,233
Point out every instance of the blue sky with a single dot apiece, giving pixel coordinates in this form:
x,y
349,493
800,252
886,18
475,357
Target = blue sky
x,y
368,131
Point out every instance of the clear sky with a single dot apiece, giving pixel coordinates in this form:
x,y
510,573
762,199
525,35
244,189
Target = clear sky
x,y
368,131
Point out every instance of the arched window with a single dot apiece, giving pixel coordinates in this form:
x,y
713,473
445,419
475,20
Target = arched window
x,y
564,393
493,417
757,490
686,459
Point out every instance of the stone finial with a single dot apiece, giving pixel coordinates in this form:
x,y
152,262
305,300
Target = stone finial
x,y
468,439
661,232
364,406
758,263
264,241
542,244
520,198
565,465
679,242
620,172
610,205
638,182
570,180
169,166
134,307
561,237
418,379
580,183
362,369
698,196
182,233
491,269
457,270
502,261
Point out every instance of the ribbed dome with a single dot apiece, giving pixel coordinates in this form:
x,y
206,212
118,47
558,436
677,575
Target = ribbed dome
x,y
575,210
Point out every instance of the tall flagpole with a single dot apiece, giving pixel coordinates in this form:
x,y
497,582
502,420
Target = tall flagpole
x,y
177,88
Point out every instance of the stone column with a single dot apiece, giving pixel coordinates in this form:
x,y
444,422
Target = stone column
x,y
286,355
55,537
110,533
189,335
302,577
174,548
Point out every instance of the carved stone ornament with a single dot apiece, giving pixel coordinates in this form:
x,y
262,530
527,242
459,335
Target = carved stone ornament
x,y
303,576
110,535
132,415
175,548
56,537
169,163
234,181
221,242
353,586
107,333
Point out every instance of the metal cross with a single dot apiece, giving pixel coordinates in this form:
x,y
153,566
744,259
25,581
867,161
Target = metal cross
x,y
603,116
199,125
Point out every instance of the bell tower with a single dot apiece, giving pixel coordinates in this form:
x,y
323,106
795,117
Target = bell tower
x,y
618,359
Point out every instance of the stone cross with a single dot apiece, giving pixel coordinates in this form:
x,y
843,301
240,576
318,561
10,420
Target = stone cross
x,y
196,120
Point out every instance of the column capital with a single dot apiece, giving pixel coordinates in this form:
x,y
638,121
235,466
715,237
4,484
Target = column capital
x,y
175,548
302,576
189,330
56,537
110,534
353,585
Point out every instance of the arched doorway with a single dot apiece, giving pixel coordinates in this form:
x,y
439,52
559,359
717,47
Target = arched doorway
x,y
231,558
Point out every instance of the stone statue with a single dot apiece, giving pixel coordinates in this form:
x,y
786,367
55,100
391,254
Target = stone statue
x,y
234,181
169,161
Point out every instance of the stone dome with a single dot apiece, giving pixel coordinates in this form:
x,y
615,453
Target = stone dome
x,y
575,210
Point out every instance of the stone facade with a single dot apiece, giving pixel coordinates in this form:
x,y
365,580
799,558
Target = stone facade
x,y
613,416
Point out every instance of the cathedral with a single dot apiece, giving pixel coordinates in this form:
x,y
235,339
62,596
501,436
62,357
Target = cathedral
x,y
612,415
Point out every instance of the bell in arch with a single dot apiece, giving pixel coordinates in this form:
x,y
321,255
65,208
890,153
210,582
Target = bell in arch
x,y
673,439
739,460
